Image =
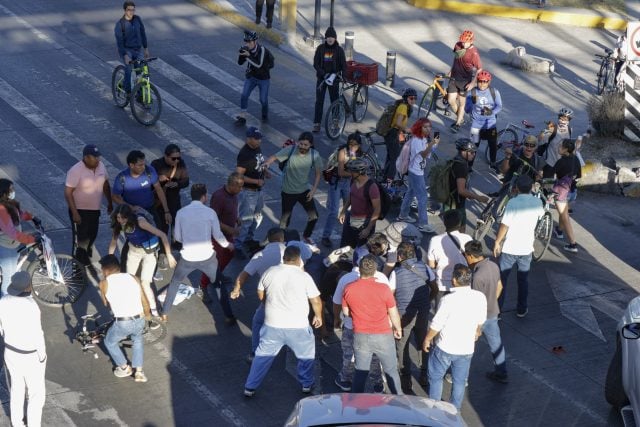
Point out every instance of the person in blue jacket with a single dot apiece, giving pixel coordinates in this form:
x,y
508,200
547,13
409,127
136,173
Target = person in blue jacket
x,y
131,39
484,103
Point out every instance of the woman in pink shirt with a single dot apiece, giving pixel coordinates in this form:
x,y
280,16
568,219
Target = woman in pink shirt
x,y
11,235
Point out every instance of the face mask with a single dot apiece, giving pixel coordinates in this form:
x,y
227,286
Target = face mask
x,y
12,195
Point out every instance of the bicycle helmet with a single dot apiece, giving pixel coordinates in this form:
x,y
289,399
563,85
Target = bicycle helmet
x,y
409,92
357,165
565,112
466,36
250,36
484,75
465,144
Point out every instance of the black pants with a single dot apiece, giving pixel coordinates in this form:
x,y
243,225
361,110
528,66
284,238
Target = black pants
x,y
491,136
320,92
84,234
271,4
393,151
289,201
351,235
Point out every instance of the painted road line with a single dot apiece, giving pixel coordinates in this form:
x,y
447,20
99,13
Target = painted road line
x,y
220,103
236,84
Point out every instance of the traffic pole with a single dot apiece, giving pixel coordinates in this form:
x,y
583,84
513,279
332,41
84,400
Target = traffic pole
x,y
349,38
391,68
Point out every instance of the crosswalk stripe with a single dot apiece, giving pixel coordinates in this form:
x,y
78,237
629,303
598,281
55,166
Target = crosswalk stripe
x,y
236,84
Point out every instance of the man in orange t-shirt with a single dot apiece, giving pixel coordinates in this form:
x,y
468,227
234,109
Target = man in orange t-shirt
x,y
371,305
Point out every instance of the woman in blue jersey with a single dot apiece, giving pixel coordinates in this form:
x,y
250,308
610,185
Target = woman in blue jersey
x,y
484,103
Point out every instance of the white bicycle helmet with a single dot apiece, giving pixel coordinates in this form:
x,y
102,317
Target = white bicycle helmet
x,y
565,112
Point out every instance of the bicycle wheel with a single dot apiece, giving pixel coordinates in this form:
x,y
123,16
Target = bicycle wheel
x,y
374,171
120,97
603,75
56,294
425,102
153,332
507,138
146,104
441,102
360,103
335,119
543,231
484,222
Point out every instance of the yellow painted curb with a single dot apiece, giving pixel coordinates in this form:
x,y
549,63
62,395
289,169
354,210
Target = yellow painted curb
x,y
542,15
240,20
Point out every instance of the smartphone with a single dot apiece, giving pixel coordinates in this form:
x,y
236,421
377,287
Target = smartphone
x,y
436,134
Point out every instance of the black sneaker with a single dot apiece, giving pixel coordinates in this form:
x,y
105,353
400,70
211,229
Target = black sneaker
x,y
269,25
249,392
306,389
498,377
326,242
257,21
572,247
455,128
240,121
265,118
558,233
522,314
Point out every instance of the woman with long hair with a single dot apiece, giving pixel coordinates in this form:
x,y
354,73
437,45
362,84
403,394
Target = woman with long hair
x,y
144,241
567,171
421,145
11,235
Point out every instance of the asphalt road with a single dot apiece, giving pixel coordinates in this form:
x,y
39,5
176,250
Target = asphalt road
x,y
55,97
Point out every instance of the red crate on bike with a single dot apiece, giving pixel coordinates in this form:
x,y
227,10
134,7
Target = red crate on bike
x,y
364,74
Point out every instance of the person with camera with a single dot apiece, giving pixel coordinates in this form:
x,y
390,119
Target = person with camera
x,y
259,61
328,60
484,103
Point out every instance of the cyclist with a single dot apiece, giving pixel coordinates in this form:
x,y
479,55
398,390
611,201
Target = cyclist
x,y
550,141
328,59
484,103
394,139
466,65
340,183
11,235
143,243
131,39
259,61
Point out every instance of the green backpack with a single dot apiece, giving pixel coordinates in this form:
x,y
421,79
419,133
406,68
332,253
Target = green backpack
x,y
383,126
440,181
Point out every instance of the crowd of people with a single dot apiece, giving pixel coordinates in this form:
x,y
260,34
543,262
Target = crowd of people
x,y
393,289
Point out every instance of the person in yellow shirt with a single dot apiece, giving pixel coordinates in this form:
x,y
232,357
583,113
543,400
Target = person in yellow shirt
x,y
396,135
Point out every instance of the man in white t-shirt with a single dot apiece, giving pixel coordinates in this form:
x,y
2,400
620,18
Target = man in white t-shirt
x,y
514,241
345,376
287,291
447,250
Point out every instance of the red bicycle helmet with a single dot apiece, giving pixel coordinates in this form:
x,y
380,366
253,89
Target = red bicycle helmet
x,y
484,75
466,36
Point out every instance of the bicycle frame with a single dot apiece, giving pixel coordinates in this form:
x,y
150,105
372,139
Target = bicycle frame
x,y
45,249
144,77
437,90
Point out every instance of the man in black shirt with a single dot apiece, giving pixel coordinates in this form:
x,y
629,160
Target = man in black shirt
x,y
328,59
459,180
173,176
250,203
525,161
259,61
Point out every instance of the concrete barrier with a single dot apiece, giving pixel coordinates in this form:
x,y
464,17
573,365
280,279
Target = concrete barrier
x,y
518,58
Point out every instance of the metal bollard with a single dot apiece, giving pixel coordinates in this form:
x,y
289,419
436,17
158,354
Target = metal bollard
x,y
391,68
316,39
349,38
331,14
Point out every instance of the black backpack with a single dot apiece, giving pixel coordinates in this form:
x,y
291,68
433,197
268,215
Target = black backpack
x,y
385,200
268,58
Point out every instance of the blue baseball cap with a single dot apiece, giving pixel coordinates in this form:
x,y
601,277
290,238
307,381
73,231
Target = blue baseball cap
x,y
254,132
91,150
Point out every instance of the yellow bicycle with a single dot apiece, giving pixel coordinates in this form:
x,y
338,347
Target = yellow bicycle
x,y
435,97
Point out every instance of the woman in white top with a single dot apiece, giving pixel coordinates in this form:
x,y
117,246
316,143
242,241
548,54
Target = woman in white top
x,y
420,149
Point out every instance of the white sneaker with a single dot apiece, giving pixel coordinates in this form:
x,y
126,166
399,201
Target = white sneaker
x,y
427,228
406,219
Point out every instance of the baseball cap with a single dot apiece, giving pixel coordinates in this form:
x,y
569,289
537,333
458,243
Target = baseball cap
x,y
20,281
91,150
254,132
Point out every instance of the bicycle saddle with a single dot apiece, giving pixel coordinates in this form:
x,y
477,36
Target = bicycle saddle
x,y
528,125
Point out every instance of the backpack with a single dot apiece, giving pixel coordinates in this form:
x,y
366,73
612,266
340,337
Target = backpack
x,y
440,181
385,200
331,170
383,126
402,162
288,143
491,90
269,60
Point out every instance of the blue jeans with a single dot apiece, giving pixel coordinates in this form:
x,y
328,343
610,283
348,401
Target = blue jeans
x,y
337,191
383,346
439,363
300,340
506,263
133,54
346,373
417,189
8,264
256,325
121,330
491,332
263,86
250,205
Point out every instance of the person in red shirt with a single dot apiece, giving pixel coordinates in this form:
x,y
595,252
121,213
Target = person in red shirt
x,y
466,65
371,305
224,201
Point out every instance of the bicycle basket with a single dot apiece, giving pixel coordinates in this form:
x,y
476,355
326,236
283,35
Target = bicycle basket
x,y
364,74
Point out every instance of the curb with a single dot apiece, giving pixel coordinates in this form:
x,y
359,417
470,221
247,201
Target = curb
x,y
232,16
536,15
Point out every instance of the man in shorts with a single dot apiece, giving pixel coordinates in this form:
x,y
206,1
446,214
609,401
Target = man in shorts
x,y
466,65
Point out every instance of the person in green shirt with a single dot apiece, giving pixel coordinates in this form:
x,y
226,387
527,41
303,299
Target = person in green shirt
x,y
299,160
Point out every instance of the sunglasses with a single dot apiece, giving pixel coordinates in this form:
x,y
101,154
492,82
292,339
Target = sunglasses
x,y
483,81
175,158
530,145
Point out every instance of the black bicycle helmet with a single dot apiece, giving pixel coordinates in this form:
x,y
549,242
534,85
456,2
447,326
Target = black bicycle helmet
x,y
409,92
250,36
465,144
357,165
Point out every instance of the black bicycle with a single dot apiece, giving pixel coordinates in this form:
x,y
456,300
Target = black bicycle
x,y
90,333
607,74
